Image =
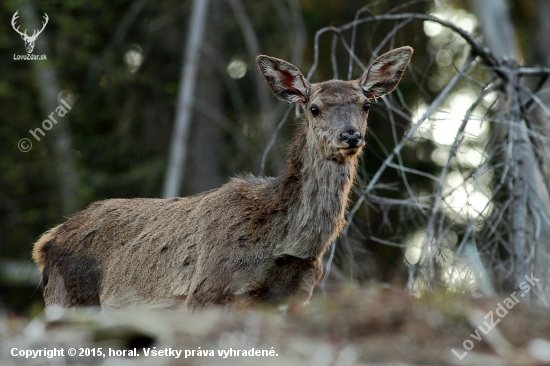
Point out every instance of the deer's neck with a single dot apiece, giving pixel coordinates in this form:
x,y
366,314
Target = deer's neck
x,y
316,191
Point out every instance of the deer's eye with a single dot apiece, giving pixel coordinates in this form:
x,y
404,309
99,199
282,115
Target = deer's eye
x,y
314,110
366,106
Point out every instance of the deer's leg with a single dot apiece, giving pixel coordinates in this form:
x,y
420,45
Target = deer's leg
x,y
305,288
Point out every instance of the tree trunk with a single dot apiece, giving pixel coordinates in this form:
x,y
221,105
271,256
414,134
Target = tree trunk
x,y
188,77
204,170
48,88
530,208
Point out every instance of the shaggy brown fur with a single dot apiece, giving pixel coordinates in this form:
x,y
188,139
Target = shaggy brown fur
x,y
253,240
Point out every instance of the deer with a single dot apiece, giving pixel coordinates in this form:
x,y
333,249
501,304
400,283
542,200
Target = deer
x,y
29,40
252,241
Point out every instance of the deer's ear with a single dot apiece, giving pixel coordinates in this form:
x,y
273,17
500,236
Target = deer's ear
x,y
385,72
284,79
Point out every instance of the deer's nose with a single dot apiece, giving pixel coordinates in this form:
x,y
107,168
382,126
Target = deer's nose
x,y
351,136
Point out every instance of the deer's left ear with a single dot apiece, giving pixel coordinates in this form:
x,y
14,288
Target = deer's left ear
x,y
284,79
385,72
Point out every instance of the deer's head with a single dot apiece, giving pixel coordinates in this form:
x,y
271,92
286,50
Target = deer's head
x,y
29,40
336,110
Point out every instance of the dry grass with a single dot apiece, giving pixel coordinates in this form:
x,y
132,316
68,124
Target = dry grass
x,y
350,326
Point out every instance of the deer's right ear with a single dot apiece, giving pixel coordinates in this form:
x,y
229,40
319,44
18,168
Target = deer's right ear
x,y
385,72
284,79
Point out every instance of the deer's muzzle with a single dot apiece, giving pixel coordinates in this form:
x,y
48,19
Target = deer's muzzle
x,y
352,137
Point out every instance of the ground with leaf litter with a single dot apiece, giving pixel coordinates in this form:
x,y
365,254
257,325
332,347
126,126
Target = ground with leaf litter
x,y
375,325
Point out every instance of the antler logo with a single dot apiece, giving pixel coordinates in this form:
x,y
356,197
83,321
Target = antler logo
x,y
29,40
